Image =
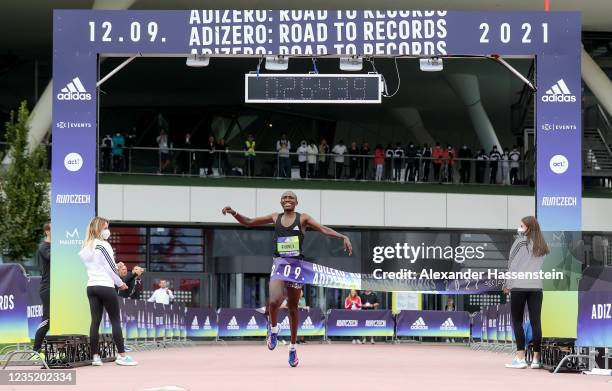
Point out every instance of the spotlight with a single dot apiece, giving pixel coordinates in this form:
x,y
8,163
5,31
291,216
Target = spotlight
x,y
351,64
277,63
432,64
198,61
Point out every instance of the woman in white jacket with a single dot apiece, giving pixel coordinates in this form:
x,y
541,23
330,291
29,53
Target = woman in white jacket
x,y
103,276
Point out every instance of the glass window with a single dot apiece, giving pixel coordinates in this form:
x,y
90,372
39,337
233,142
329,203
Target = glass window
x,y
176,249
129,245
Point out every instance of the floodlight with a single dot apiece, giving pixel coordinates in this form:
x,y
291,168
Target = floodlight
x,y
351,64
432,64
198,61
277,63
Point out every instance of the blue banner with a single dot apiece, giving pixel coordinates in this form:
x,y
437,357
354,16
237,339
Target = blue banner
x,y
433,324
201,322
477,326
242,322
349,323
35,308
311,322
13,304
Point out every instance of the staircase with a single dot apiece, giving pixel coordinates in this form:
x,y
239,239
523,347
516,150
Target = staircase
x,y
597,156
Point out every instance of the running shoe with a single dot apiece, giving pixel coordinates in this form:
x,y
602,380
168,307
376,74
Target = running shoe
x,y
97,361
517,364
536,364
126,360
293,358
272,339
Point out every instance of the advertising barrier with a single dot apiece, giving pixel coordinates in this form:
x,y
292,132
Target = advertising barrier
x,y
311,323
35,308
371,323
242,322
477,326
13,304
433,324
595,319
201,322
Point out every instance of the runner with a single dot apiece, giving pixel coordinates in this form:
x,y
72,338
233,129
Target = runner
x,y
289,229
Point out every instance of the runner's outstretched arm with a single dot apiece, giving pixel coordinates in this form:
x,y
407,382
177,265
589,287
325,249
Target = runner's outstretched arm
x,y
312,223
247,221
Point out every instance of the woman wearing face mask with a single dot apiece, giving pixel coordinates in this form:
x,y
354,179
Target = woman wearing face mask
x,y
103,276
526,255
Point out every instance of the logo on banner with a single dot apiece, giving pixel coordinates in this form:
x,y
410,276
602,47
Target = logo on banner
x,y
285,323
252,325
376,323
73,162
448,325
73,125
601,311
559,92
35,311
559,164
307,325
346,323
233,324
550,127
194,324
71,238
73,199
207,324
74,90
419,324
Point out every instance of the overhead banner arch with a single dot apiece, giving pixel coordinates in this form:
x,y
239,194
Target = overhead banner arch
x,y
79,36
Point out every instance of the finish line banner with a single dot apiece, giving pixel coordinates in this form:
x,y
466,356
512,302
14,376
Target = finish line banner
x,y
360,323
433,324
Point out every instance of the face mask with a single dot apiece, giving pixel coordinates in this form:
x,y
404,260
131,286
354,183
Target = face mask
x,y
520,231
106,234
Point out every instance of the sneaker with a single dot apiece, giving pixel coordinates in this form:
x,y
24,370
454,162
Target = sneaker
x,y
293,358
125,360
272,339
536,364
359,342
97,361
372,341
517,364
354,341
37,358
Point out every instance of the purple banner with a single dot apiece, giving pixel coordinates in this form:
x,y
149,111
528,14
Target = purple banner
x,y
13,304
491,312
35,308
477,326
242,322
201,322
433,324
357,323
311,322
595,319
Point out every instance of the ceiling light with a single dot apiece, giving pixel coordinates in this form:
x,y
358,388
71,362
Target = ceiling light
x,y
351,64
432,64
198,61
277,63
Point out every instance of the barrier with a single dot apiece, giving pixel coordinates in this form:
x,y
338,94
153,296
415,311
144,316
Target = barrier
x,y
13,303
371,323
311,323
201,322
449,324
35,310
242,322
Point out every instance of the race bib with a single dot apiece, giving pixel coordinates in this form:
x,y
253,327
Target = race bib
x,y
288,245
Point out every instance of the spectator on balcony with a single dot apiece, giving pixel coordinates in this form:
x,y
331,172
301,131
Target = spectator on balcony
x,y
249,155
364,161
515,157
369,301
450,156
379,162
465,164
339,150
494,158
437,155
388,162
283,147
505,166
323,159
353,302
481,165
313,151
164,154
130,142
107,149
398,162
302,152
411,163
118,145
353,160
185,157
426,156
223,151
210,155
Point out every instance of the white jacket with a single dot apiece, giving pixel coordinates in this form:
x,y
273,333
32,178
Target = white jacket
x,y
99,261
302,152
312,154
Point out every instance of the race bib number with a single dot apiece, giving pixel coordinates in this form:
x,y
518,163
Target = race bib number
x,y
288,245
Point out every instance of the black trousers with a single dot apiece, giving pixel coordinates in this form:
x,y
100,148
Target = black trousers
x,y
43,327
533,299
103,297
513,175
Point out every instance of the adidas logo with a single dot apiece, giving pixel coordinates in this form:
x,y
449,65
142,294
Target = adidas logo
x,y
419,324
74,91
448,325
252,325
233,324
296,228
307,325
285,323
207,324
194,324
559,92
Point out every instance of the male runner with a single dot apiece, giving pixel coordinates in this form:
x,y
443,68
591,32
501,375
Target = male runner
x,y
289,228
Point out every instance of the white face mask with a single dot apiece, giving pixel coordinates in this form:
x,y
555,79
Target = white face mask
x,y
520,230
106,234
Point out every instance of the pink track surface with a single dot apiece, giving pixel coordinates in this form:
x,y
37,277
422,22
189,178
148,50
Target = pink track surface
x,y
380,367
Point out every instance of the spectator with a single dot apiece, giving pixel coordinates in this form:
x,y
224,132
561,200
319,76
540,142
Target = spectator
x,y
426,157
494,157
323,159
223,151
129,279
481,165
118,145
312,158
249,155
437,155
379,162
411,165
505,167
162,295
389,151
369,301
465,164
339,150
353,160
353,302
210,155
398,160
450,155
364,161
43,256
450,304
515,157
283,147
185,156
302,152
130,142
107,148
164,155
